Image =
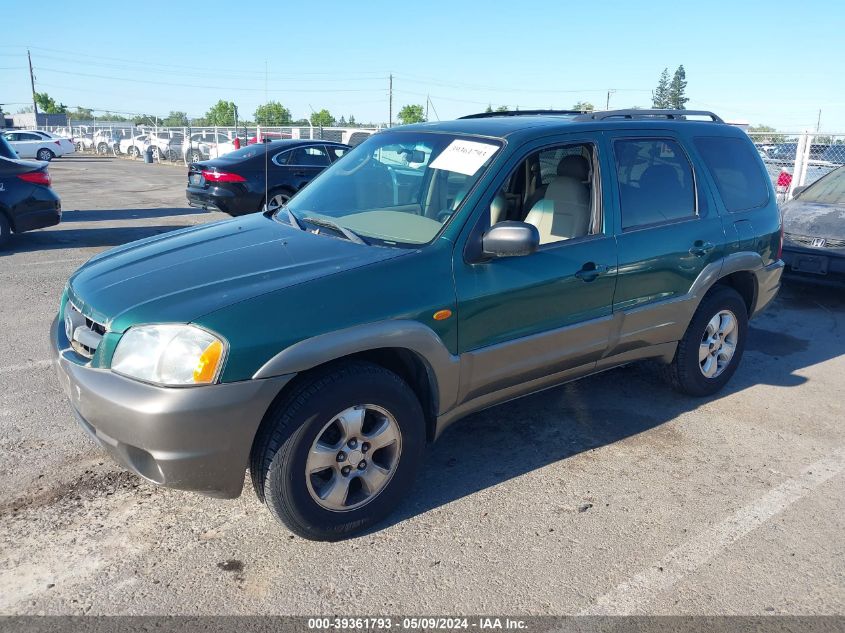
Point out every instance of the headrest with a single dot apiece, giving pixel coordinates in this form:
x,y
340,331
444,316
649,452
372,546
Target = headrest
x,y
575,167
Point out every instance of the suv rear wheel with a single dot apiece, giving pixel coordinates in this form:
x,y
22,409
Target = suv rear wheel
x,y
710,351
340,451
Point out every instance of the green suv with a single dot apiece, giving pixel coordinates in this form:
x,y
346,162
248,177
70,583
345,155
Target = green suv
x,y
435,270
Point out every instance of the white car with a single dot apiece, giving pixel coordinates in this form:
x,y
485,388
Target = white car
x,y
134,146
167,144
208,144
37,144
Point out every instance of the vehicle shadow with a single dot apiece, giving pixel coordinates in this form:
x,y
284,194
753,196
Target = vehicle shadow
x,y
499,444
100,215
46,239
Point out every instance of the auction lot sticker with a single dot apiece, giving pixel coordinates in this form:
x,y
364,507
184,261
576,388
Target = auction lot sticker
x,y
464,157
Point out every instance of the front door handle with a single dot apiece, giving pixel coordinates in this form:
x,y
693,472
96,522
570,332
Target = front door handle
x,y
590,271
700,248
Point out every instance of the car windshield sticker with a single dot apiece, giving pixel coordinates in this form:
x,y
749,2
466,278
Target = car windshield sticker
x,y
464,157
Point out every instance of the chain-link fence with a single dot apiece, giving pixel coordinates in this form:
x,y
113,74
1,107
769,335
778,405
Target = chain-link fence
x,y
796,160
191,144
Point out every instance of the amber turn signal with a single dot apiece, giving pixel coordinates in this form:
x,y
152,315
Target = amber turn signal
x,y
441,315
206,368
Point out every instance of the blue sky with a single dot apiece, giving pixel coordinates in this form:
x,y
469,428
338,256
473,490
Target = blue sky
x,y
774,63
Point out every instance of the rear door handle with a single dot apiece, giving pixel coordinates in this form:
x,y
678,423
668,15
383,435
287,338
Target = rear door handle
x,y
700,249
590,271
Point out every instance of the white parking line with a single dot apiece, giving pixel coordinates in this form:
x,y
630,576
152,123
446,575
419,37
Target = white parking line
x,y
634,595
36,364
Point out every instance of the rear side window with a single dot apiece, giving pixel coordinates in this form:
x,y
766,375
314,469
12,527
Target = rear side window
x,y
655,182
309,156
734,166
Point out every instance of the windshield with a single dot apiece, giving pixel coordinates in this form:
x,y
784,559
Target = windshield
x,y
397,188
827,190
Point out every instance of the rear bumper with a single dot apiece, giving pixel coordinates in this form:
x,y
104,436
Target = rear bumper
x,y
221,199
195,439
832,267
768,284
42,209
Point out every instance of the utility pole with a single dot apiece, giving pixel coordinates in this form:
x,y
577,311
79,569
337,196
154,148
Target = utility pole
x,y
390,101
32,83
426,107
819,122
610,91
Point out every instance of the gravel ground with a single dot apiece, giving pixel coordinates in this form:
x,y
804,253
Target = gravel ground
x,y
609,495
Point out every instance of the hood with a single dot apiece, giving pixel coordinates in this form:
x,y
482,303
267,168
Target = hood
x,y
812,219
180,276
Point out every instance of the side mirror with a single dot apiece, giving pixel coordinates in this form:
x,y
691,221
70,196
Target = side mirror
x,y
798,190
510,239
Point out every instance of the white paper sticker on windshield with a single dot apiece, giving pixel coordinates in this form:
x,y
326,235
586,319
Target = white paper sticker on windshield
x,y
464,157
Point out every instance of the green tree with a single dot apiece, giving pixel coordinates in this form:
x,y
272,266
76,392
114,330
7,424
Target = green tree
x,y
677,89
660,96
175,119
221,113
81,114
352,120
48,105
272,113
411,113
584,106
502,108
323,118
765,134
489,108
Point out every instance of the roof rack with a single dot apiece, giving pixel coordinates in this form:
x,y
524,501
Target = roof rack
x,y
675,115
485,115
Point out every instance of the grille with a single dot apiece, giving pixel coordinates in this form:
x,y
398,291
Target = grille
x,y
83,333
806,240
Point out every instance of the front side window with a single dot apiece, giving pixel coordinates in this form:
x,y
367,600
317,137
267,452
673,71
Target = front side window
x,y
336,152
734,167
396,188
655,182
555,189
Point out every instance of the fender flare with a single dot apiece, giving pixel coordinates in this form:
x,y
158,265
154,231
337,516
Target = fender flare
x,y
443,368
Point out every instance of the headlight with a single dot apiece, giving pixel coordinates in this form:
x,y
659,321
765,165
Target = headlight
x,y
171,355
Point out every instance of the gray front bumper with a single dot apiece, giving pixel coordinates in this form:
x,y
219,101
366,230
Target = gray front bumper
x,y
195,438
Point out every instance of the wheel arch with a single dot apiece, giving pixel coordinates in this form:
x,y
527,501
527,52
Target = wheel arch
x,y
408,348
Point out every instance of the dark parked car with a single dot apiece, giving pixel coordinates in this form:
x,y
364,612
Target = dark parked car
x,y
235,183
814,229
26,200
436,270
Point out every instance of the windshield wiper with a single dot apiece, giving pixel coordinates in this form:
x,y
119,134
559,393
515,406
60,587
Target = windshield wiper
x,y
347,233
294,221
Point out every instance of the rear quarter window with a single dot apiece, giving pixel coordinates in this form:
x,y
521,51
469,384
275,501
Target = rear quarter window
x,y
736,170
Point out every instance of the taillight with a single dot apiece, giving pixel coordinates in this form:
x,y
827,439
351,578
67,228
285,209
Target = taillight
x,y
37,178
221,176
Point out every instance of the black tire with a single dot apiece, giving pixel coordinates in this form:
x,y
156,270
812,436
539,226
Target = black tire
x,y
685,373
194,156
45,154
278,460
103,148
5,230
134,152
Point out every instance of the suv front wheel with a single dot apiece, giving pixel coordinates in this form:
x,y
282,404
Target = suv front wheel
x,y
340,451
710,351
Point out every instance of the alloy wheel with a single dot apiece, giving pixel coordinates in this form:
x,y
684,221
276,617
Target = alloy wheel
x,y
353,458
718,344
277,201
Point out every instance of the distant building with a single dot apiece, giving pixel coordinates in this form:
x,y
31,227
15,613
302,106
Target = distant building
x,y
31,120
